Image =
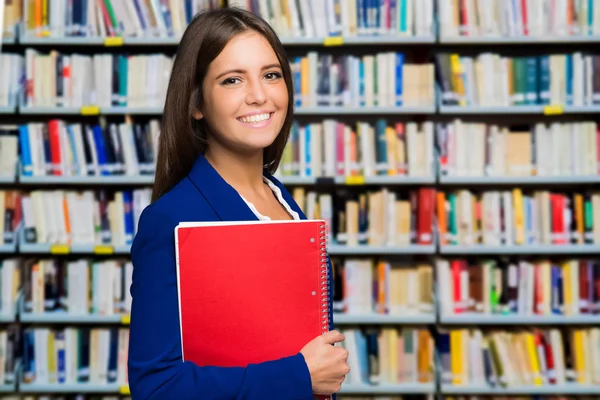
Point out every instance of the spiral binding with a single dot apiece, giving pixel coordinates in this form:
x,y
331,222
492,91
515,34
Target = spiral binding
x,y
324,278
324,292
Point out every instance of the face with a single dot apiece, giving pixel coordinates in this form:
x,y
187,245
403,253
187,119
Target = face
x,y
245,96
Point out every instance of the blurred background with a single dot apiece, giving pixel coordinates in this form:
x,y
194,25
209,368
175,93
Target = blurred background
x,y
452,146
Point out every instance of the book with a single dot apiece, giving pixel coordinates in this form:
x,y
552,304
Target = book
x,y
518,217
384,217
524,357
71,355
389,355
382,286
11,65
81,217
537,288
335,148
505,80
263,287
538,149
169,18
62,149
381,79
515,19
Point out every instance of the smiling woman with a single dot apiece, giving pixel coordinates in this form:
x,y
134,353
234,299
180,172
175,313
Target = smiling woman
x,y
234,68
225,124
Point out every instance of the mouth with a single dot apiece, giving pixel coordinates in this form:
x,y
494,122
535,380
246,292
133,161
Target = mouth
x,y
256,120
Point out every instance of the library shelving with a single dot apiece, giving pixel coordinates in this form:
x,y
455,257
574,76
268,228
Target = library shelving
x,y
382,40
384,319
455,47
86,180
507,319
8,109
8,248
304,111
510,110
521,249
416,388
519,180
567,389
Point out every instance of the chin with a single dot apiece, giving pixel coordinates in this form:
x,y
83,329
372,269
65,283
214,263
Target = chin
x,y
260,142
259,137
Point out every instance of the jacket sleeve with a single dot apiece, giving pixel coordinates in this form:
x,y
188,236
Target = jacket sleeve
x,y
155,366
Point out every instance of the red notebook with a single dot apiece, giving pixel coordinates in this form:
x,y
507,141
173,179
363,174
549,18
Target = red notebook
x,y
259,286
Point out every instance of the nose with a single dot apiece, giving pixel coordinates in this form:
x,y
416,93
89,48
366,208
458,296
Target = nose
x,y
256,93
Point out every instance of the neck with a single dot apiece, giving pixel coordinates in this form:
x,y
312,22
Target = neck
x,y
242,171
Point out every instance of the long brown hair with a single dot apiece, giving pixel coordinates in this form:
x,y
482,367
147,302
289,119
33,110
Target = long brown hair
x,y
182,138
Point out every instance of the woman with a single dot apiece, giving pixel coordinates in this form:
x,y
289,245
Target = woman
x,y
226,120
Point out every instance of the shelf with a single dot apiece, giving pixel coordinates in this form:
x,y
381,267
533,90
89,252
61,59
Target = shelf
x,y
174,41
50,110
582,109
8,109
357,40
131,110
369,180
8,388
99,41
61,40
526,109
9,40
518,180
466,40
388,388
151,41
8,248
499,319
323,110
66,318
71,388
43,248
340,110
546,389
334,249
91,110
382,319
523,249
88,180
7,317
300,180
7,179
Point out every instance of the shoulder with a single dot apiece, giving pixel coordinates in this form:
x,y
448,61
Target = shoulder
x,y
159,219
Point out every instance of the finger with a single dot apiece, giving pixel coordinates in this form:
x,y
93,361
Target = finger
x,y
332,337
343,353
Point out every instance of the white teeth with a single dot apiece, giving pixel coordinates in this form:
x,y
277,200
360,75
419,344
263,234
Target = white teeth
x,y
255,118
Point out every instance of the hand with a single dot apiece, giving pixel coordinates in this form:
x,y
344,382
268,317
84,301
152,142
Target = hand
x,y
326,363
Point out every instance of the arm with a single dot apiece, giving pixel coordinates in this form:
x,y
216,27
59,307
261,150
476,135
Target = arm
x,y
155,366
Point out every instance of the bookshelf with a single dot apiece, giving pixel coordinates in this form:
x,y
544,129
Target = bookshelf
x,y
435,35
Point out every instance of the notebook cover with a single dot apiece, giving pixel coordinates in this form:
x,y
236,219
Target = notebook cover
x,y
250,291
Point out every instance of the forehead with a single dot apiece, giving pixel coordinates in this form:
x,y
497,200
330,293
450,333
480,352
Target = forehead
x,y
246,50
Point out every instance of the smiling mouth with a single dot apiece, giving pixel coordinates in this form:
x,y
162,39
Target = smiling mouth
x,y
256,119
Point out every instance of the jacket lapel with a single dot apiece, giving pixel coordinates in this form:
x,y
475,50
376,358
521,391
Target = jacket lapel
x,y
221,196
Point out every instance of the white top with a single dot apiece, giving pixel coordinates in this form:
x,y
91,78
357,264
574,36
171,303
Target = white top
x,y
279,196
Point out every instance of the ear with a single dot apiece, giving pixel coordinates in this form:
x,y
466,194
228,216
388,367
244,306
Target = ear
x,y
198,115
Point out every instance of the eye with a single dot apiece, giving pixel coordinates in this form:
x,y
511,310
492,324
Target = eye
x,y
273,75
230,81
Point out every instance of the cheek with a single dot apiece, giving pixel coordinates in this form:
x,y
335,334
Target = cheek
x,y
280,96
223,103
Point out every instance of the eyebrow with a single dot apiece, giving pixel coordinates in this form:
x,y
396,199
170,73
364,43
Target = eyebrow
x,y
241,71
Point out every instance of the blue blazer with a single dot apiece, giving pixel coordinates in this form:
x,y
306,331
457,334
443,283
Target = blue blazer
x,y
155,366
